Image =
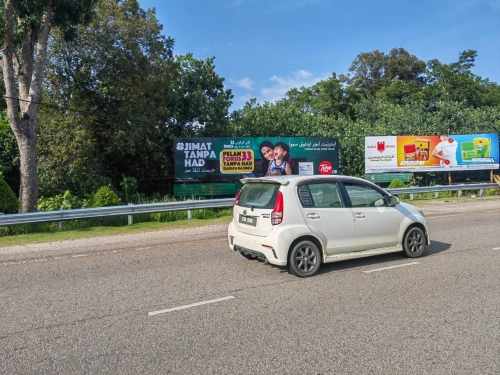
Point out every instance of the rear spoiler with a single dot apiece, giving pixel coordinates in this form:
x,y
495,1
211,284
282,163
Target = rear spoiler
x,y
268,180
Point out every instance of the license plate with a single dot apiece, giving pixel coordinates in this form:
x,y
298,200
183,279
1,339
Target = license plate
x,y
248,220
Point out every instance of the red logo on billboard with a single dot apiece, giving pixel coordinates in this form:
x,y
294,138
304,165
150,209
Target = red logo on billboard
x,y
325,167
381,146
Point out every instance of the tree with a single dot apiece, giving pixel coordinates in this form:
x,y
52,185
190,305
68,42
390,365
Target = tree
x,y
125,97
373,71
455,82
24,32
114,86
201,103
326,98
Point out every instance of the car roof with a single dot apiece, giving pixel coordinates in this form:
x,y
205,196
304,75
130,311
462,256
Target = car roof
x,y
295,179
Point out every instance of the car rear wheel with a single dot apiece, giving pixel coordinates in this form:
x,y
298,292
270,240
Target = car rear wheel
x,y
305,259
414,242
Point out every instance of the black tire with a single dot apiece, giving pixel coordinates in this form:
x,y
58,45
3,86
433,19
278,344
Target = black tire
x,y
414,242
305,259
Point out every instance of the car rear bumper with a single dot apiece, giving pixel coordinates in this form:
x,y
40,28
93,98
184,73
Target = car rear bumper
x,y
273,247
250,252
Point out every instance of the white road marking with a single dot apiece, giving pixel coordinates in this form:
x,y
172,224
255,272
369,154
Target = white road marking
x,y
439,216
388,268
457,214
189,306
496,248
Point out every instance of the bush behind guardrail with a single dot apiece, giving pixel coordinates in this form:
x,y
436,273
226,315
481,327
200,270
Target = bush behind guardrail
x,y
8,200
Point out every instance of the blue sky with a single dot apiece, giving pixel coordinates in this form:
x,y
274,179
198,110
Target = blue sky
x,y
263,48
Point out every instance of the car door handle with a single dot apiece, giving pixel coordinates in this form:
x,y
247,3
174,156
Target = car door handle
x,y
359,215
313,216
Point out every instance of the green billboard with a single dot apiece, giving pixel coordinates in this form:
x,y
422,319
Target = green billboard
x,y
229,159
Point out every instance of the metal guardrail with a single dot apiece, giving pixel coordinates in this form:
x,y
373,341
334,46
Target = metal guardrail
x,y
441,188
89,213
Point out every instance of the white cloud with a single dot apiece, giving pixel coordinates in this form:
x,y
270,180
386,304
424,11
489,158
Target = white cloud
x,y
284,84
246,83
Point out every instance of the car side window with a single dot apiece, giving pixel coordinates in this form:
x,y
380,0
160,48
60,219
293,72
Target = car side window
x,y
325,195
364,196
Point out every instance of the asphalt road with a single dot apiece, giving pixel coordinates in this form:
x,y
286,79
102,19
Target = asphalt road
x,y
181,303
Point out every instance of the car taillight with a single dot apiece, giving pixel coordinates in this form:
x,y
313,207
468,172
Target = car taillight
x,y
277,214
236,199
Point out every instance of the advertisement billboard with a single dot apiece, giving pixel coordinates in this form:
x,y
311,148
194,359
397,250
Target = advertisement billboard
x,y
431,153
229,159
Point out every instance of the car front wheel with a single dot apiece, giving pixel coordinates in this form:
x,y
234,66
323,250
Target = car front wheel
x,y
305,259
414,242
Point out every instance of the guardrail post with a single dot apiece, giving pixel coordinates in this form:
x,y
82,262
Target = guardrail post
x,y
189,212
130,217
481,192
459,193
436,194
411,197
59,226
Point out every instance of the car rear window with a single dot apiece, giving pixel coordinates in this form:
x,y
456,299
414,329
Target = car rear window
x,y
258,195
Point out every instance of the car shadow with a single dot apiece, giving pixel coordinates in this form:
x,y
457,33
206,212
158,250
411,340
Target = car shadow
x,y
384,260
436,247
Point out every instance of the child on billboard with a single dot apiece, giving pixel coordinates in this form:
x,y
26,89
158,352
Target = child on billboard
x,y
446,151
281,164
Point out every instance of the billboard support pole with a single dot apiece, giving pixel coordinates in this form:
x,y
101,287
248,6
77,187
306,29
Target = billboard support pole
x,y
449,178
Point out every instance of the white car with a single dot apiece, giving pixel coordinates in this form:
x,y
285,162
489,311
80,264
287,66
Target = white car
x,y
303,221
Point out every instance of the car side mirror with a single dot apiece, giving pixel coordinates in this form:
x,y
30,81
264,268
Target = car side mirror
x,y
393,201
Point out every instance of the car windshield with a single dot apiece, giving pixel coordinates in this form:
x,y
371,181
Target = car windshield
x,y
258,195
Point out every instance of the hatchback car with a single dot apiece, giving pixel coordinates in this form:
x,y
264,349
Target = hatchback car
x,y
303,221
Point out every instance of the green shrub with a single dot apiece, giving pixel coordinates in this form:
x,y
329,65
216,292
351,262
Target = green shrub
x,y
105,196
397,184
491,192
9,204
129,189
66,201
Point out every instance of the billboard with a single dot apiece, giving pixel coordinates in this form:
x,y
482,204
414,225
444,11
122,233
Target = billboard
x,y
229,159
431,153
